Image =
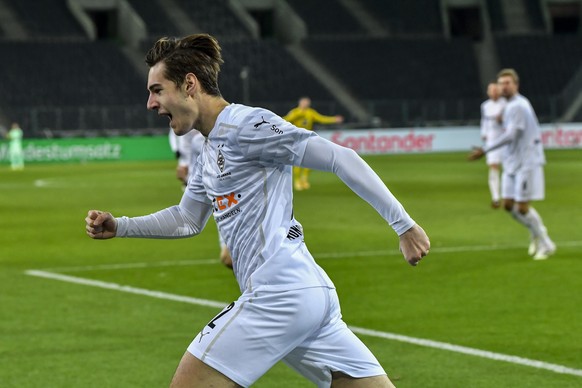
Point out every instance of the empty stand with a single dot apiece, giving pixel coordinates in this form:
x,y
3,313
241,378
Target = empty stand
x,y
68,75
406,17
215,17
47,18
155,18
544,63
402,69
325,18
274,76
496,15
535,15
60,80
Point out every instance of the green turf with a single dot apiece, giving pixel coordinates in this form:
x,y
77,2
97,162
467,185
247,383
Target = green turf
x,y
478,288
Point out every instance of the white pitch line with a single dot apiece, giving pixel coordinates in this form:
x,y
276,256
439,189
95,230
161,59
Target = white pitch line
x,y
467,248
358,330
122,288
97,267
328,255
470,351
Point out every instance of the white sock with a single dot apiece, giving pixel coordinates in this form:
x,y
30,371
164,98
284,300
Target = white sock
x,y
524,220
494,184
538,226
534,223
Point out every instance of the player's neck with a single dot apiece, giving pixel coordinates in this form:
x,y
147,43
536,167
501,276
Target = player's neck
x,y
210,108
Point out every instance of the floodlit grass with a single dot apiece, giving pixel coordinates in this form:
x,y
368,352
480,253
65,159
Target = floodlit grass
x,y
478,288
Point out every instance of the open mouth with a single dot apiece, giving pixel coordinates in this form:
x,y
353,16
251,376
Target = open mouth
x,y
168,115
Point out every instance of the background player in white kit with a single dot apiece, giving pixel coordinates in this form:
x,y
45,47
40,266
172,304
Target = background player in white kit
x,y
288,309
523,163
187,149
491,129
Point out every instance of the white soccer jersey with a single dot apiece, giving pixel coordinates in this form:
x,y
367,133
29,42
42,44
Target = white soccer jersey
x,y
245,172
244,177
491,129
525,151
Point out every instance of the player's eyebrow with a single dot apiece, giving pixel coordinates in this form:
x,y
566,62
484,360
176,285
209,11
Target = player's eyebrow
x,y
152,87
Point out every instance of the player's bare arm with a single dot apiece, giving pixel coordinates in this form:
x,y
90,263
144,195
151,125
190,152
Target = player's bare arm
x,y
100,225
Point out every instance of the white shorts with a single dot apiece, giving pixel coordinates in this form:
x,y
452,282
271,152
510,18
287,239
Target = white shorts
x,y
301,327
494,157
524,186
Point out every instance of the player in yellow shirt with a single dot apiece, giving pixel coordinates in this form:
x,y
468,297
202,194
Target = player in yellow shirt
x,y
304,116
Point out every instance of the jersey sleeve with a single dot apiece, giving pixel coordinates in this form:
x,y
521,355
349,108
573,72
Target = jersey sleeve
x,y
184,220
324,155
509,134
269,139
516,118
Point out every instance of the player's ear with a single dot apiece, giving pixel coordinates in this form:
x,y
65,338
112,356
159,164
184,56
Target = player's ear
x,y
191,83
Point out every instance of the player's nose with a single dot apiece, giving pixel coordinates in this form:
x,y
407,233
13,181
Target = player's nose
x,y
152,104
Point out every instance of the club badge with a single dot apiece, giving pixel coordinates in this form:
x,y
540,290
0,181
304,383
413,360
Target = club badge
x,y
220,161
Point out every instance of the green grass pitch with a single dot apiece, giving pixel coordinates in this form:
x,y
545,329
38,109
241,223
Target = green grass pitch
x,y
477,288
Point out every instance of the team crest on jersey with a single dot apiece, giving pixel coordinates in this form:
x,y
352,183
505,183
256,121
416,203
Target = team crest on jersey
x,y
220,161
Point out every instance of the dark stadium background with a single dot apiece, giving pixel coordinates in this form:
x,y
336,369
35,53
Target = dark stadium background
x,y
75,68
72,68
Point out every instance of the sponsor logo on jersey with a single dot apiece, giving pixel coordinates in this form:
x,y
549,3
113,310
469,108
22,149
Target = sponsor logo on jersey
x,y
273,127
229,214
202,334
223,176
225,202
257,125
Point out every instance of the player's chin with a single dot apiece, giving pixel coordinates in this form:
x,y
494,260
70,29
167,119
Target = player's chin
x,y
179,128
175,125
175,129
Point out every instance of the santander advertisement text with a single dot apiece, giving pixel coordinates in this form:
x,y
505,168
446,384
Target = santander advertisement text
x,y
440,139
